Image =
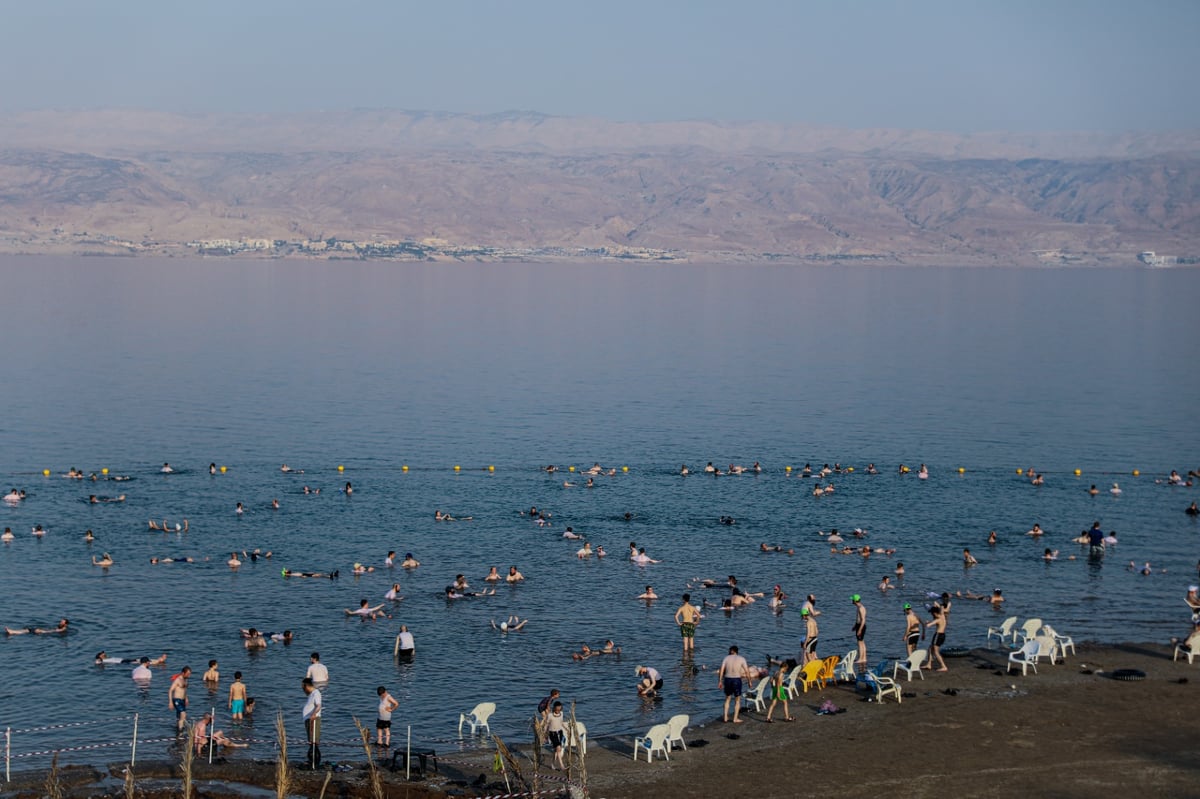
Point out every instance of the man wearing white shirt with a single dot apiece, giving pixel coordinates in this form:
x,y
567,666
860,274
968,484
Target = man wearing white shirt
x,y
312,722
316,670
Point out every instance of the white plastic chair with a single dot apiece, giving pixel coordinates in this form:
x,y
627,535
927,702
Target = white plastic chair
x,y
844,672
758,697
577,737
1026,656
1028,630
1188,652
794,682
1063,641
913,665
1047,648
1005,630
886,686
477,717
675,726
653,741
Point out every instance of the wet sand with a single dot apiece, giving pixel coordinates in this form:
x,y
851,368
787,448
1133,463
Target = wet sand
x,y
1061,732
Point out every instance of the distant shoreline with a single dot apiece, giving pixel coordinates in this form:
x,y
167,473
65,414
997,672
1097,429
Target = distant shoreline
x,y
497,255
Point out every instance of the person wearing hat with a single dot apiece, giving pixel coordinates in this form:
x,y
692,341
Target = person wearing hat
x,y
913,630
860,628
808,647
651,681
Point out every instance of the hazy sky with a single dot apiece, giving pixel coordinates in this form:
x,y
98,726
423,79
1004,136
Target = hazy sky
x,y
960,65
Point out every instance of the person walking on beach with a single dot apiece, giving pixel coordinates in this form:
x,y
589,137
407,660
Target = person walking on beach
x,y
913,631
177,696
733,671
237,697
935,649
312,722
383,724
779,691
687,617
860,628
556,733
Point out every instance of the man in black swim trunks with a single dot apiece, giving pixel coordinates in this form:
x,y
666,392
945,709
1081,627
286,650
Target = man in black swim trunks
x,y
860,628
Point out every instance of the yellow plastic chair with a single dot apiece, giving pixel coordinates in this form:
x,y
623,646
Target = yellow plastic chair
x,y
813,674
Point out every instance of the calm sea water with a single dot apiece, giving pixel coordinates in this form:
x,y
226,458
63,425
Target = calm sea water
x,y
126,364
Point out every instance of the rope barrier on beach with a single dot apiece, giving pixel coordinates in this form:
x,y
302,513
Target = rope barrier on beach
x,y
70,724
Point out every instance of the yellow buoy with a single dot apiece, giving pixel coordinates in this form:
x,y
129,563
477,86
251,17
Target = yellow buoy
x,y
491,468
961,470
570,468
404,468
787,468
624,468
104,470
457,468
904,469
1136,472
1020,471
45,472
223,468
1078,472
849,468
341,468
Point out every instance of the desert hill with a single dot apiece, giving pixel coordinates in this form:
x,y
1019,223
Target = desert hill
x,y
134,181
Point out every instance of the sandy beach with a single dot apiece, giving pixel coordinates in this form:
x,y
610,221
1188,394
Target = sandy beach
x,y
1062,732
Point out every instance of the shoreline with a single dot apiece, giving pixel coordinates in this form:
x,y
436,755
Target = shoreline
x,y
1068,730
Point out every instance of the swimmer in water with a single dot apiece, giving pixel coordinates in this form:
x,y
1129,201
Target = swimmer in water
x,y
233,560
991,538
104,562
647,594
333,575
899,569
156,561
61,629
969,559
885,584
95,500
366,612
166,468
571,535
996,598
451,593
585,551
8,535
642,558
1093,491
493,576
1036,530
513,624
102,659
1115,490
409,561
513,575
600,551
1192,510
393,593
1050,554
361,569
683,470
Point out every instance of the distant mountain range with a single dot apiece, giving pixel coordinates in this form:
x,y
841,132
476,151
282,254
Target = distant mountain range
x,y
134,181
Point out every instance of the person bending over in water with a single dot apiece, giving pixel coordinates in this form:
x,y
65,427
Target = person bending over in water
x,y
60,629
201,735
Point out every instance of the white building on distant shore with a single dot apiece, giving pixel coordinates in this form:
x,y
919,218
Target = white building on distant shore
x,y
1149,258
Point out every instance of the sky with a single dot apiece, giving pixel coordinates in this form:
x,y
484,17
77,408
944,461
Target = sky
x,y
952,65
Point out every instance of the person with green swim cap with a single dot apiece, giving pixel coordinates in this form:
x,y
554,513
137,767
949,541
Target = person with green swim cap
x,y
808,647
860,628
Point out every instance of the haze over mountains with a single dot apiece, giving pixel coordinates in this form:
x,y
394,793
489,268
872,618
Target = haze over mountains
x,y
134,181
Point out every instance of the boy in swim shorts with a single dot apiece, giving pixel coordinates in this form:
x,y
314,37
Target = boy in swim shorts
x,y
237,697
686,617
